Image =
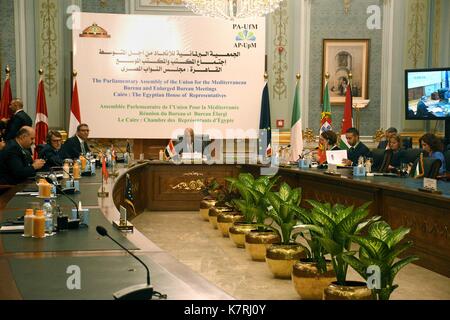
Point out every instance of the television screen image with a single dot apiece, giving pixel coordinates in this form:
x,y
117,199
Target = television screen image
x,y
427,94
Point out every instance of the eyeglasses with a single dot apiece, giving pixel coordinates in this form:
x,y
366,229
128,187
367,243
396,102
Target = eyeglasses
x,y
56,140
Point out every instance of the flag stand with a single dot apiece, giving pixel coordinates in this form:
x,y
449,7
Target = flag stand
x,y
103,193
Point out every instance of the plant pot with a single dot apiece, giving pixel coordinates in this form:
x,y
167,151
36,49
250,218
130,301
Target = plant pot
x,y
257,242
205,205
281,259
352,290
214,212
238,231
226,219
308,282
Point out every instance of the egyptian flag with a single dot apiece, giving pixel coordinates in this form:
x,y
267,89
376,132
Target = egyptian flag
x,y
347,121
325,122
41,122
5,112
75,114
170,150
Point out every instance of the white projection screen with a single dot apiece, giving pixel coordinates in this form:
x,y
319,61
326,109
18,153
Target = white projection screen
x,y
144,77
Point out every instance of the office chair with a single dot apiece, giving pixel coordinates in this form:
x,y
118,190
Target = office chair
x,y
431,167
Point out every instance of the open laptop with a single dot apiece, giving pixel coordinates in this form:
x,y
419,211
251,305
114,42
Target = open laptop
x,y
336,156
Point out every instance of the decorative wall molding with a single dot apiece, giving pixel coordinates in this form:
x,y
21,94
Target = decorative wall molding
x,y
280,20
163,7
436,34
417,37
48,45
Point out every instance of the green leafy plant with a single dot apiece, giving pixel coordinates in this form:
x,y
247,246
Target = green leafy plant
x,y
380,248
210,187
226,196
334,226
283,210
253,202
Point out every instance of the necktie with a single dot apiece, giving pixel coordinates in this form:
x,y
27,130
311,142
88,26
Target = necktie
x,y
83,149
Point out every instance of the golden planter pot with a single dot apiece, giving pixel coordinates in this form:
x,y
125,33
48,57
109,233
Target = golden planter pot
x,y
353,290
214,212
205,205
226,219
238,231
281,259
307,280
257,242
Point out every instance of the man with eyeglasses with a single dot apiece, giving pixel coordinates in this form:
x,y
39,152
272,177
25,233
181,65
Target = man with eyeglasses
x,y
76,145
51,151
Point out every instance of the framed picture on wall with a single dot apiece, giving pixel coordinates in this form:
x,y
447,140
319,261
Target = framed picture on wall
x,y
340,57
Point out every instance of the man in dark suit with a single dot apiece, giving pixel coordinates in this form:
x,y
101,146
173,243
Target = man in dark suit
x,y
358,149
76,145
16,164
384,144
50,152
19,119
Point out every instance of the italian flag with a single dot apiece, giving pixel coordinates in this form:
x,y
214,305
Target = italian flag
x,y
296,126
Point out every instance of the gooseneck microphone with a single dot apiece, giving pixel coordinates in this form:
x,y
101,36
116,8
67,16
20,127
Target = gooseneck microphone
x,y
137,292
49,180
71,190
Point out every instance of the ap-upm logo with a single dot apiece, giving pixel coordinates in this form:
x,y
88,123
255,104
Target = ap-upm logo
x,y
246,37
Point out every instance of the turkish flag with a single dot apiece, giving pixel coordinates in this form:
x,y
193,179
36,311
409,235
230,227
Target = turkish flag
x,y
41,117
5,112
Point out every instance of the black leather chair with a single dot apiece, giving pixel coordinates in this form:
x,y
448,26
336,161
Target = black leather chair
x,y
431,167
407,142
410,155
447,160
381,160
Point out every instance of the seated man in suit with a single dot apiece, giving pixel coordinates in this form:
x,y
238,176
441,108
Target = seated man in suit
x,y
190,143
16,164
76,145
51,151
2,133
384,144
19,119
358,149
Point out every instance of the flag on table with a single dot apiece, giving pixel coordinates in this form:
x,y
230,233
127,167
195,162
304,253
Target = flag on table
x,y
296,126
75,114
170,150
105,173
264,121
129,199
347,121
269,151
41,121
325,122
5,111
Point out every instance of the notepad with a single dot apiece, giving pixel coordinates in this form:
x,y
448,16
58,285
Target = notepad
x,y
11,229
336,156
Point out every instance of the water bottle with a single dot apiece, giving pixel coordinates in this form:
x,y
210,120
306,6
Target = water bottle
x,y
48,213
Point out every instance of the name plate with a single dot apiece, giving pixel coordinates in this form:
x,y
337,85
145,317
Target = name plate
x,y
430,184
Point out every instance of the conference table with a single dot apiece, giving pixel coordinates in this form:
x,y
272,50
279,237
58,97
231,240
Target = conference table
x,y
41,268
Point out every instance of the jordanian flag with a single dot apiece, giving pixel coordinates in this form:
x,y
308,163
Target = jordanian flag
x,y
296,126
347,121
325,122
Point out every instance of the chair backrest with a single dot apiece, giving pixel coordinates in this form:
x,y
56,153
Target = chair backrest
x,y
384,167
407,142
431,167
447,160
409,155
378,156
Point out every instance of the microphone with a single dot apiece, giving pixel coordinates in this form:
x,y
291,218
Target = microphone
x,y
49,180
71,190
137,292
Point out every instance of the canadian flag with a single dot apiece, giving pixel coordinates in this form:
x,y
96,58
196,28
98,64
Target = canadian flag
x,y
75,115
41,117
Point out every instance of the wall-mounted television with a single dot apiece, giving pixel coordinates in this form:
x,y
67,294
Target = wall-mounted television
x,y
427,94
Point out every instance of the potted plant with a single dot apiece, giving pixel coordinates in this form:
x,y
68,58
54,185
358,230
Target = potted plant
x,y
227,210
379,250
209,192
334,226
311,275
253,207
283,211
